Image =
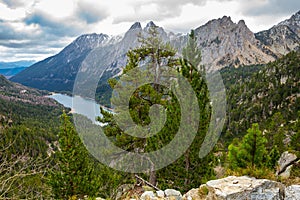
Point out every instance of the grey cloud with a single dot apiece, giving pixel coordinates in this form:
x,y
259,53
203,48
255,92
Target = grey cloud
x,y
29,54
89,13
8,32
19,43
271,7
33,49
53,33
53,26
13,3
28,43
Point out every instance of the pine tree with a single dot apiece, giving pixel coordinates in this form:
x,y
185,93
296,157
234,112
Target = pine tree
x,y
273,157
194,72
295,144
156,54
252,151
275,133
74,174
151,55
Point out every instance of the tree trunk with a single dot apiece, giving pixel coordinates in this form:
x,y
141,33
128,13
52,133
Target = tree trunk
x,y
253,150
187,166
152,178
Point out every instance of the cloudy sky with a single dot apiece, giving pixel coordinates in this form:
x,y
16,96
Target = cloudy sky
x,y
36,29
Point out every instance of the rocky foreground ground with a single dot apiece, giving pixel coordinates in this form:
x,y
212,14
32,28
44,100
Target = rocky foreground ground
x,y
229,188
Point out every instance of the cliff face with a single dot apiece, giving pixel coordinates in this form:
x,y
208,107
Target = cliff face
x,y
282,38
225,43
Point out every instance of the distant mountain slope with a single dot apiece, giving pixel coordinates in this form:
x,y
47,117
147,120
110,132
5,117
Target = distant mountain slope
x,y
16,64
14,92
11,71
57,73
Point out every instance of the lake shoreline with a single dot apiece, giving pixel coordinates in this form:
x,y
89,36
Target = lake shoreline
x,y
79,105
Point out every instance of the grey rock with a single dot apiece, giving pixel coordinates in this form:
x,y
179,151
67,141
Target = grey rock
x,y
232,188
292,192
136,25
150,24
160,194
192,194
148,194
173,193
285,163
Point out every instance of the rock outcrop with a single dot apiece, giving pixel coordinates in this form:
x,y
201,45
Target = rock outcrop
x,y
169,194
285,164
243,188
292,192
231,188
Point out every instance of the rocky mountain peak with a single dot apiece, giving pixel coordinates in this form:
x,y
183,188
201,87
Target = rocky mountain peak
x,y
224,42
293,23
242,23
283,37
136,25
96,36
226,19
89,41
150,24
296,16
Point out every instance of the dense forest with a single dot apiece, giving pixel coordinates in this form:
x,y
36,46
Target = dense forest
x,y
29,124
43,157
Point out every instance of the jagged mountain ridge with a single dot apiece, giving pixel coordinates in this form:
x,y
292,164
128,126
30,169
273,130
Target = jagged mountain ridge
x,y
283,37
223,43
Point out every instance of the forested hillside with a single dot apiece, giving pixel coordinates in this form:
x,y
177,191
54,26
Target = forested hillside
x,y
269,92
29,124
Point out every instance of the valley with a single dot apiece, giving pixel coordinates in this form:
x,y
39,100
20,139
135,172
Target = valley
x,y
49,134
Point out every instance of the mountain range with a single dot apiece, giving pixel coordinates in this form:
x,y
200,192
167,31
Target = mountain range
x,y
223,43
9,69
16,64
